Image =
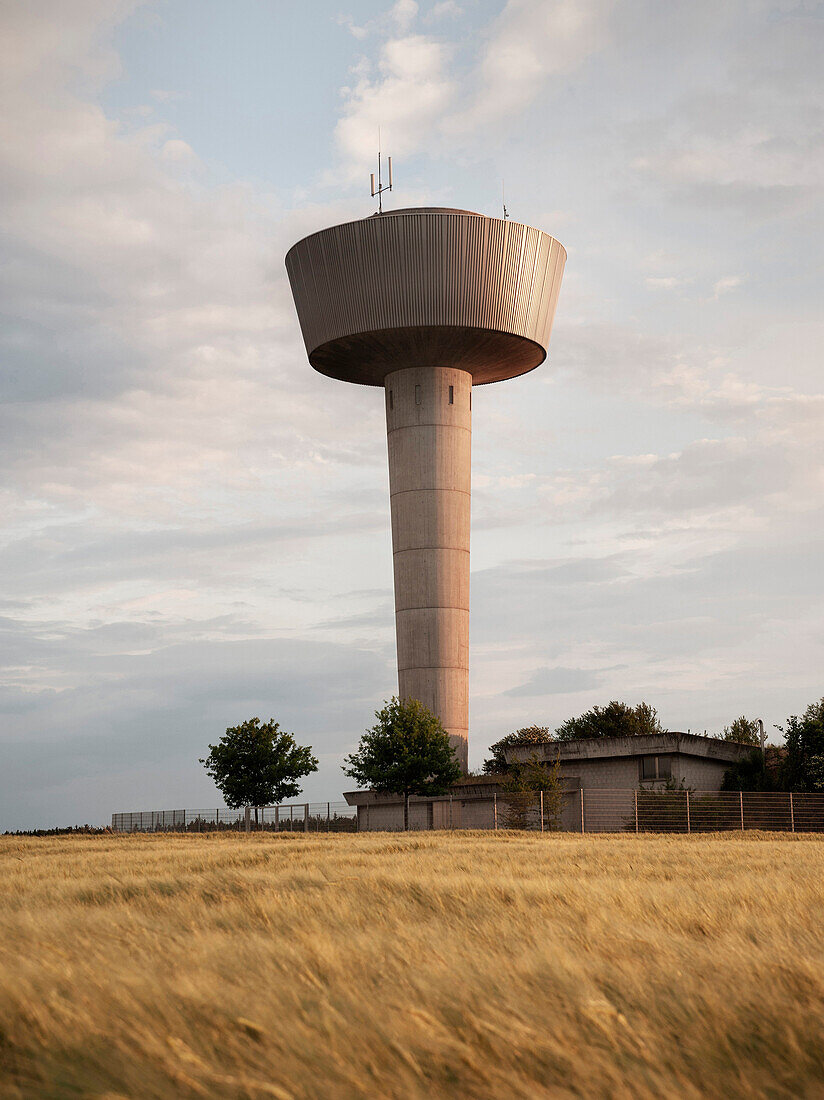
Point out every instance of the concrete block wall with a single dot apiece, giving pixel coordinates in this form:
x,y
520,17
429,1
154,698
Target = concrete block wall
x,y
624,772
616,772
700,774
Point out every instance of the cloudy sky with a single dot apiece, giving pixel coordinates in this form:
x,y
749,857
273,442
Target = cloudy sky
x,y
195,525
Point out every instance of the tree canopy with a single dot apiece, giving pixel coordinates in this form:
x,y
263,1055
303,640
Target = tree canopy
x,y
750,774
406,752
257,764
614,720
743,730
496,764
803,766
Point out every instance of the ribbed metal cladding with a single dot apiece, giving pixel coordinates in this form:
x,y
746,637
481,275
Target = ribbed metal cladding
x,y
425,288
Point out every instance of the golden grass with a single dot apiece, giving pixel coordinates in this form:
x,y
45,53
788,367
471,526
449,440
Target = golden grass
x,y
470,965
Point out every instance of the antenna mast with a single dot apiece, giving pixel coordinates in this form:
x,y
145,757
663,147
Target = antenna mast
x,y
379,190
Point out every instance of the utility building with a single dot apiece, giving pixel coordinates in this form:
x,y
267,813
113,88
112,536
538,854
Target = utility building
x,y
428,303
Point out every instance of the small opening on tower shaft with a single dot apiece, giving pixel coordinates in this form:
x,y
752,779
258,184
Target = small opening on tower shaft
x,y
451,395
417,395
391,402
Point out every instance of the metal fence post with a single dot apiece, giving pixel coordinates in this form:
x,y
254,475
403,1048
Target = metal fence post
x,y
247,818
277,819
329,817
451,818
636,809
688,810
306,817
495,812
792,814
741,799
582,809
542,810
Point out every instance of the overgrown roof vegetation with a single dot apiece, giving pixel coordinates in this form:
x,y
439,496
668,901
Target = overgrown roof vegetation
x,y
743,730
614,720
798,765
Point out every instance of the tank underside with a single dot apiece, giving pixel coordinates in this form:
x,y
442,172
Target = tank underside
x,y
367,357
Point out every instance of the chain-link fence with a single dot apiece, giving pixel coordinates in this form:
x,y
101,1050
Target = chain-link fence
x,y
582,811
661,811
308,817
599,810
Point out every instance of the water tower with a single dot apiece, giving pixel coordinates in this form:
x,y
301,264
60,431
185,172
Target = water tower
x,y
428,303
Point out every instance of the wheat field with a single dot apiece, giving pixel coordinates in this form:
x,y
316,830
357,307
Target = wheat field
x,y
378,965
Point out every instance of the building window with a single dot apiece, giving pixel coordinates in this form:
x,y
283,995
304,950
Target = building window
x,y
417,395
451,395
391,402
656,767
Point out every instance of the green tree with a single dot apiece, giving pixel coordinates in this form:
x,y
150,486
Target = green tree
x,y
803,765
523,786
406,752
745,731
749,774
258,765
496,763
614,720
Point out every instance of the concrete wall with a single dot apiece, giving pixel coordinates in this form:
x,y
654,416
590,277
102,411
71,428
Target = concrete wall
x,y
623,772
429,422
698,773
389,816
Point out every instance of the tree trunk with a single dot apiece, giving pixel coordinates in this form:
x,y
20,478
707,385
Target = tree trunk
x,y
406,811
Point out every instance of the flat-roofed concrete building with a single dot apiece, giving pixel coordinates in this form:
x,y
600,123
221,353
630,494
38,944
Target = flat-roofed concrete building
x,y
654,760
616,766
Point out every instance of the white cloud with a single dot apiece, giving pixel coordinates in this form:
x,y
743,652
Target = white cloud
x,y
755,141
529,42
179,151
725,285
446,9
422,100
664,282
405,100
403,14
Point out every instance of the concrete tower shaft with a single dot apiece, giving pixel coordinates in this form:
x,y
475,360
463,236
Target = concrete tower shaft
x,y
427,303
429,434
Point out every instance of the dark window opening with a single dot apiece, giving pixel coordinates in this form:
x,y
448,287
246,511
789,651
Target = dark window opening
x,y
451,395
391,402
656,767
470,400
417,395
